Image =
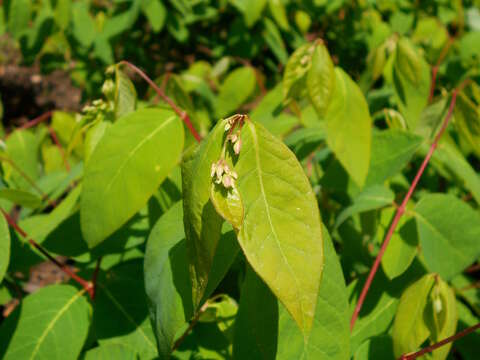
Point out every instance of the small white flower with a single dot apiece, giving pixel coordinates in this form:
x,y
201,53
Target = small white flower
x,y
237,146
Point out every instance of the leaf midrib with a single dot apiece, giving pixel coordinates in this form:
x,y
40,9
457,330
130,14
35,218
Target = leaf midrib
x,y
54,320
134,150
267,208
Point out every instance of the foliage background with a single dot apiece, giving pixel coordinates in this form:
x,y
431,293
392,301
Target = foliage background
x,y
216,58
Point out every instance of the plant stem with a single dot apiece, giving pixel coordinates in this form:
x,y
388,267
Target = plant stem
x,y
432,347
37,120
181,113
87,285
400,211
54,137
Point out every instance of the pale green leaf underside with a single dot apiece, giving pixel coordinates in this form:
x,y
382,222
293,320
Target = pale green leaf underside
x,y
281,233
127,166
53,324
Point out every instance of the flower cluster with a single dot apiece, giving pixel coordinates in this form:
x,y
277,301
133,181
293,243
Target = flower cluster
x,y
223,174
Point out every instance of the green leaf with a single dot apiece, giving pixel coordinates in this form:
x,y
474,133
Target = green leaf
x,y
228,204
349,133
276,336
279,13
237,87
391,151
167,281
111,352
378,346
467,121
21,197
448,231
448,156
202,223
274,40
125,95
63,13
321,80
296,70
22,149
155,12
121,315
371,198
39,226
409,327
281,226
83,26
402,248
251,9
411,80
19,14
4,247
126,167
442,317
37,332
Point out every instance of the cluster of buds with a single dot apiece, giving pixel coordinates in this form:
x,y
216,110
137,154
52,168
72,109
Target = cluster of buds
x,y
236,141
223,174
98,106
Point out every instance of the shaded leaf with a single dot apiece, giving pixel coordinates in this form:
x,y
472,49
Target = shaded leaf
x,y
237,87
21,197
111,351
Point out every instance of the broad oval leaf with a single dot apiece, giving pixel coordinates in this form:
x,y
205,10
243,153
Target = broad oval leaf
x,y
281,234
448,231
409,327
131,160
59,332
251,9
4,246
228,204
321,79
349,132
276,336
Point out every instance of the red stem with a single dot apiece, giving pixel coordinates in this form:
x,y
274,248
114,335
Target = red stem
x,y
54,137
400,211
87,285
181,113
430,348
37,120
